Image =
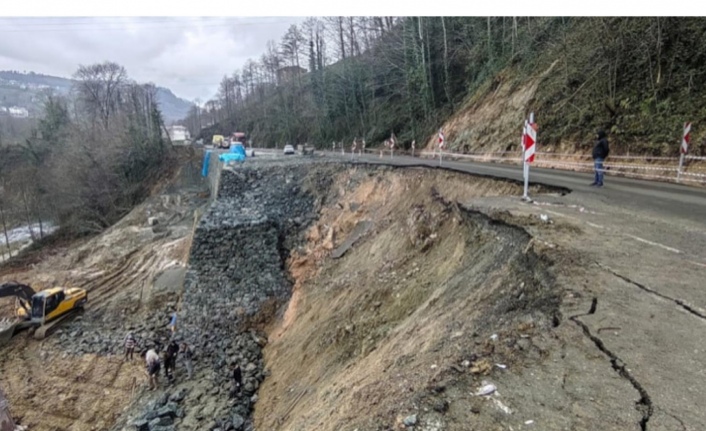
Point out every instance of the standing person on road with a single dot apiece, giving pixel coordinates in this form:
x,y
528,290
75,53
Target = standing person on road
x,y
600,153
129,346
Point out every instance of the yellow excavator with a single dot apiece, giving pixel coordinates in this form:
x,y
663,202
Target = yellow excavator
x,y
39,311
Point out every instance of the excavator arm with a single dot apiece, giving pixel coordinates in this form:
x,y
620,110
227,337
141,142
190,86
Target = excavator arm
x,y
22,291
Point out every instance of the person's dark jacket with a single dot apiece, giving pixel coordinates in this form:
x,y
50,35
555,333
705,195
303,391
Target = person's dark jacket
x,y
601,149
172,352
237,375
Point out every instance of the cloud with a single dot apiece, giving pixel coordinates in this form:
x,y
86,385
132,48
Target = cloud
x,y
187,55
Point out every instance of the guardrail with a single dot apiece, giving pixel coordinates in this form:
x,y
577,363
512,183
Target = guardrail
x,y
659,168
641,167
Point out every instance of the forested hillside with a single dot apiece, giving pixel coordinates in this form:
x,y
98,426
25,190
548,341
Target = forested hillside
x,y
639,78
28,90
90,159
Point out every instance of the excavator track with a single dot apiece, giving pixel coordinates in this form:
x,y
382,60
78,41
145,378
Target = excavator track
x,y
47,329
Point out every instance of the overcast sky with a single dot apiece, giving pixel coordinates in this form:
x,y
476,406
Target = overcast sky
x,y
187,55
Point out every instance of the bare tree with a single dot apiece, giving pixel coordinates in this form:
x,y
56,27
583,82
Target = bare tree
x,y
98,88
293,44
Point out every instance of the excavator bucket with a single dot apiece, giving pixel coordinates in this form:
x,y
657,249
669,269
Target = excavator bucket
x,y
8,327
7,330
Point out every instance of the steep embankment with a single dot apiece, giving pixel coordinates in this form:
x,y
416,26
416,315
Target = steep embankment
x,y
403,303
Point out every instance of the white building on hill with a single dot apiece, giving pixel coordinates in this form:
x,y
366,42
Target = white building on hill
x,y
178,133
17,112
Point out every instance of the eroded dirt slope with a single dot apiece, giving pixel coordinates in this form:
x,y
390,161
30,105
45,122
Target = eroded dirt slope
x,y
423,302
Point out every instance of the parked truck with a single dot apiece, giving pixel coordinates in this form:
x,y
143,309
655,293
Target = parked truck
x,y
218,141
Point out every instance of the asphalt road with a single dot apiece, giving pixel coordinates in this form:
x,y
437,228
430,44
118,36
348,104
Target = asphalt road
x,y
661,199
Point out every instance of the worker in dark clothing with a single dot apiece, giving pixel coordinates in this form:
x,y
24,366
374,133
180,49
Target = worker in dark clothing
x,y
170,358
237,380
600,153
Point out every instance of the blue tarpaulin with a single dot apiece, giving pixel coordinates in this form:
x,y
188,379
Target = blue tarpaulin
x,y
229,157
206,160
237,153
238,149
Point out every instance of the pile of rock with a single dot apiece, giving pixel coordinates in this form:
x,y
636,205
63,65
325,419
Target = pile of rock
x,y
236,267
86,335
162,413
237,264
240,246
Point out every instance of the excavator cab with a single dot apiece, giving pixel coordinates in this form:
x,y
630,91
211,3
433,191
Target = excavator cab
x,y
50,304
44,303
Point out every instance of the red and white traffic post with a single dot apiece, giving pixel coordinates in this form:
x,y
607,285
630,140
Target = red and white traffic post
x,y
442,143
685,139
529,139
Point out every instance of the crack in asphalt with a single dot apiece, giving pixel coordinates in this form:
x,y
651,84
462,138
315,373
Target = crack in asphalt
x,y
644,404
680,302
676,418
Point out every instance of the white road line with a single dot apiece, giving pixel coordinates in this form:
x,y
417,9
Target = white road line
x,y
673,250
562,215
697,263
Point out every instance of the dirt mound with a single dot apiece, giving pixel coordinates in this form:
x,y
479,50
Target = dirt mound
x,y
49,391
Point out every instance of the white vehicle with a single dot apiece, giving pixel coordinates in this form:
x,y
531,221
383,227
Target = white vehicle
x,y
288,149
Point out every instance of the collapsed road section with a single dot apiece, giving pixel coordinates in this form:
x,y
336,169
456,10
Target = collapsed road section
x,y
240,279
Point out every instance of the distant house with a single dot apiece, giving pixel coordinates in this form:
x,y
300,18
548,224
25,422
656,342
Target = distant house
x,y
17,112
178,133
287,73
